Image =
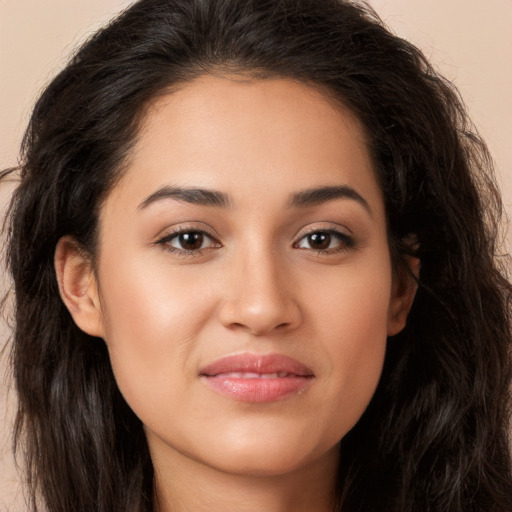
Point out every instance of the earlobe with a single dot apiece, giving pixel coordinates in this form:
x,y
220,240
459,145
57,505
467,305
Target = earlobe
x,y
78,287
403,293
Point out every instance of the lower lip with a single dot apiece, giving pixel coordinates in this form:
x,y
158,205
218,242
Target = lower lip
x,y
258,389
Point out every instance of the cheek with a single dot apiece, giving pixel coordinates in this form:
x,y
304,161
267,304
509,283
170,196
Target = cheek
x,y
353,303
151,319
352,321
146,301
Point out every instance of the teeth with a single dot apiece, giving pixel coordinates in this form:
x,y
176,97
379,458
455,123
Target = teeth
x,y
253,375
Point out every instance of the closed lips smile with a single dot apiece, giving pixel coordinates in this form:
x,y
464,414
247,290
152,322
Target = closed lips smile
x,y
257,378
253,375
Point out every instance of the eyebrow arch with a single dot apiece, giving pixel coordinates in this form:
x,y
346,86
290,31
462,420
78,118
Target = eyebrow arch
x,y
198,196
315,196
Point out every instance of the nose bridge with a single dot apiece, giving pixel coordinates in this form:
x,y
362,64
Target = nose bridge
x,y
259,295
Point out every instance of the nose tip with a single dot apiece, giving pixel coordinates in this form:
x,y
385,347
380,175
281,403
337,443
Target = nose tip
x,y
260,305
259,319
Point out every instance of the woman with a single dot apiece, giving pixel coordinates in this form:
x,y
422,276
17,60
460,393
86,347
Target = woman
x,y
255,241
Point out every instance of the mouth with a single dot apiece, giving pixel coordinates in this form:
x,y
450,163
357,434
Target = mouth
x,y
257,378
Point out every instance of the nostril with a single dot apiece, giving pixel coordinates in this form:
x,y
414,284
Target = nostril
x,y
259,313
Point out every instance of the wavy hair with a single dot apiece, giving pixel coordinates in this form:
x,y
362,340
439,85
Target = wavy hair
x,y
434,437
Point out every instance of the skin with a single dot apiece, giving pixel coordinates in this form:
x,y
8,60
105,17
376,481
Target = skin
x,y
258,285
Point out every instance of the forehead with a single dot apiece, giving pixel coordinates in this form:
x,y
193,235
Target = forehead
x,y
246,137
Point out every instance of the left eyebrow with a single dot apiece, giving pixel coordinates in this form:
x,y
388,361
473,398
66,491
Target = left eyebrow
x,y
198,196
319,195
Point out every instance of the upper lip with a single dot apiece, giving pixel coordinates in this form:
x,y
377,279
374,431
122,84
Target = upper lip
x,y
257,363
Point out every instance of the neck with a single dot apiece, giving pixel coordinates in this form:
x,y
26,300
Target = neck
x,y
182,484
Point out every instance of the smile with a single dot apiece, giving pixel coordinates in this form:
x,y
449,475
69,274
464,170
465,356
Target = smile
x,y
253,375
257,378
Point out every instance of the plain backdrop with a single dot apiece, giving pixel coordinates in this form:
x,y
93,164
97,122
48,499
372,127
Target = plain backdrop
x,y
470,42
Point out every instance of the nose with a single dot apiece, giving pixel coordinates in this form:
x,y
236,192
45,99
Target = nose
x,y
259,296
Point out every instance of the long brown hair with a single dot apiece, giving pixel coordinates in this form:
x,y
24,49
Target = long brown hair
x,y
434,437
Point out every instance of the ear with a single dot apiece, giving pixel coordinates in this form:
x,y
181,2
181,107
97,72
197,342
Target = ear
x,y
402,295
78,287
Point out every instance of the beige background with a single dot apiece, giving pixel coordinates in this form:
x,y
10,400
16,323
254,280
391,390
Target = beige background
x,y
469,40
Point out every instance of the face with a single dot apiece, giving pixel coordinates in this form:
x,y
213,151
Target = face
x,y
243,283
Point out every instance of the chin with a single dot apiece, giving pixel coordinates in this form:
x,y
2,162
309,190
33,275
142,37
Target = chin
x,y
270,459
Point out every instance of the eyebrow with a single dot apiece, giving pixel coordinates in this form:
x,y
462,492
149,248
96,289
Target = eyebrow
x,y
319,195
302,199
198,196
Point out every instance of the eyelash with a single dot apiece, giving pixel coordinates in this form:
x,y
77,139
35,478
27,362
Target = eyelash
x,y
346,242
165,241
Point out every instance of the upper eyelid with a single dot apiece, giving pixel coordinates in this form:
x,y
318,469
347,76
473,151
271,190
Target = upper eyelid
x,y
326,226
172,231
170,236
334,232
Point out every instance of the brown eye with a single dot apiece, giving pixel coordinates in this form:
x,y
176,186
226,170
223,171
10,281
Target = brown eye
x,y
319,241
191,241
325,241
188,241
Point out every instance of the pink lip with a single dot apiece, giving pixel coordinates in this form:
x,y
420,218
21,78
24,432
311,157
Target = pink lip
x,y
257,378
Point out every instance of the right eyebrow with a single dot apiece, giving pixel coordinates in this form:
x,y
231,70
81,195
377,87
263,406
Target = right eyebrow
x,y
198,196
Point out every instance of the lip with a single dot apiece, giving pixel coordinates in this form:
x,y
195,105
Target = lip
x,y
256,377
